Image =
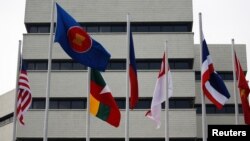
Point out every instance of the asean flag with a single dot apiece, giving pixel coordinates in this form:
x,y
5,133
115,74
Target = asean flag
x,y
76,42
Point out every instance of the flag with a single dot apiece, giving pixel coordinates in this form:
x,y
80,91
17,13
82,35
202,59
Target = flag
x,y
102,103
76,42
159,95
243,89
212,84
133,75
24,97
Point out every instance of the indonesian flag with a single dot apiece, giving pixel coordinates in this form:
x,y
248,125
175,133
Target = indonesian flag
x,y
159,95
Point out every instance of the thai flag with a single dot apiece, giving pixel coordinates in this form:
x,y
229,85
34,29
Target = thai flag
x,y
212,84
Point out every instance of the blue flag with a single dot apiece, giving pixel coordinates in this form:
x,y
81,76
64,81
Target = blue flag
x,y
76,42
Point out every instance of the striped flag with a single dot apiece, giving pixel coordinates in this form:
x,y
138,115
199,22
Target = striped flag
x,y
102,103
212,84
159,95
24,97
134,96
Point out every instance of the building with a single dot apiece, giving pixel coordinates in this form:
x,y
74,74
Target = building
x,y
153,22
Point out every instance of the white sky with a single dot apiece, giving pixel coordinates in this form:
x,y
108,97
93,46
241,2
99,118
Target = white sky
x,y
222,21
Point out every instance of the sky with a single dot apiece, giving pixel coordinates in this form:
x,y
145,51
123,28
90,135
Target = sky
x,y
222,21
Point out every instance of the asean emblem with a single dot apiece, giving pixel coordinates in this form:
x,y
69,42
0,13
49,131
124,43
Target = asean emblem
x,y
79,40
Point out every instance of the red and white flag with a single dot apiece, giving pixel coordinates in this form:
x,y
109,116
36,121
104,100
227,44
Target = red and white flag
x,y
24,98
159,95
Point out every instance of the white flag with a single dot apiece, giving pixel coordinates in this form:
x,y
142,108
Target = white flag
x,y
159,95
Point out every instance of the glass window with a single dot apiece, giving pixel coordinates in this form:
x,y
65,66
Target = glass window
x,y
143,104
31,66
142,28
105,28
43,29
210,109
229,109
142,65
118,28
33,29
92,29
154,65
66,66
154,28
64,104
120,103
117,66
78,104
180,28
181,65
167,28
78,66
55,66
41,66
38,104
53,104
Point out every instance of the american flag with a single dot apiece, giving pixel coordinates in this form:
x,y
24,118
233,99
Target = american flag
x,y
24,98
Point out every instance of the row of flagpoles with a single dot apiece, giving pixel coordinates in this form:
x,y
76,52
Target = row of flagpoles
x,y
72,45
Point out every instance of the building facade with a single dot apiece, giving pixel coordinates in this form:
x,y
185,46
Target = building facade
x,y
152,23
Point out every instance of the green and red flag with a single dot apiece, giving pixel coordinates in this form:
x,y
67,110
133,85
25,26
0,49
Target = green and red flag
x,y
102,103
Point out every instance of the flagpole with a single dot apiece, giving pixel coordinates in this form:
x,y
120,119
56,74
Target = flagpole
x,y
88,105
166,101
203,104
17,79
45,132
235,92
127,82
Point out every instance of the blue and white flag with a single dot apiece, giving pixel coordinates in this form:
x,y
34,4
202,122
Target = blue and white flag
x,y
212,84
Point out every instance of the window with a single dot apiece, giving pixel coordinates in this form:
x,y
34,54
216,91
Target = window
x,y
120,27
142,64
211,109
225,75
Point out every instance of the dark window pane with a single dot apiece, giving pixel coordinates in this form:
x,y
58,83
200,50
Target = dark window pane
x,y
229,109
181,65
105,28
64,104
120,103
53,104
154,65
167,28
66,66
33,29
56,66
180,28
143,104
31,66
142,28
78,66
78,104
154,28
117,66
41,66
210,109
142,65
38,104
43,29
197,75
92,29
118,28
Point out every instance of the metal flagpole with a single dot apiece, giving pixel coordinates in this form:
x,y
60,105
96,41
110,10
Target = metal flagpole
x,y
88,105
45,132
127,81
166,101
16,94
203,104
235,92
